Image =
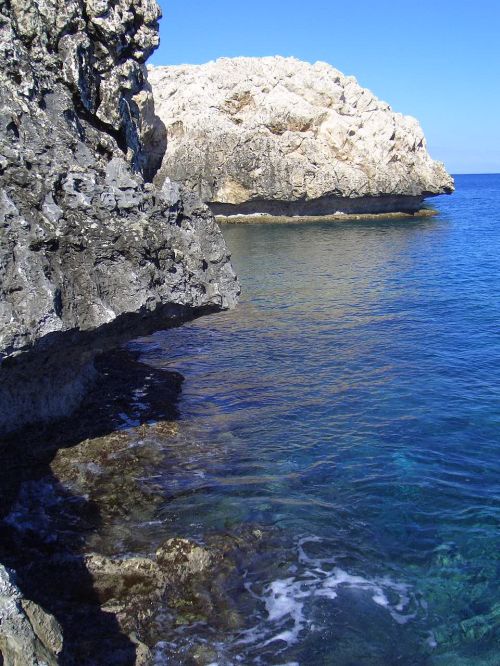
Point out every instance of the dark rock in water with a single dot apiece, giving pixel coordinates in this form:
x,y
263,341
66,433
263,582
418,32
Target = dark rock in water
x,y
83,506
91,254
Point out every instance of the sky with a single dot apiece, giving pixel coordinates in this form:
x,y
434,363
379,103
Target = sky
x,y
436,60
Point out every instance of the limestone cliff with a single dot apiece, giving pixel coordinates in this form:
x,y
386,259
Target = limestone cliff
x,y
281,136
91,254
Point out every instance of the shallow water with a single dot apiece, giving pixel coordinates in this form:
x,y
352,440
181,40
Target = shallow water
x,y
352,399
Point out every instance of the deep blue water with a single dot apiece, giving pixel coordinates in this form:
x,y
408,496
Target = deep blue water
x,y
352,401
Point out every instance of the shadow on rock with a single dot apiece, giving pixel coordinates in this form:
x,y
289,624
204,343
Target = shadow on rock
x,y
44,525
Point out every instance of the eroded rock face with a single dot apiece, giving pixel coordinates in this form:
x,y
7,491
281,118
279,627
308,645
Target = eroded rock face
x,y
284,137
28,635
91,254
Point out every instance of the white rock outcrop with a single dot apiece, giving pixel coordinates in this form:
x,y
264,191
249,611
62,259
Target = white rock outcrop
x,y
280,136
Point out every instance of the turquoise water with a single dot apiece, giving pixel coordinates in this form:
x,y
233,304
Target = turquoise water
x,y
352,401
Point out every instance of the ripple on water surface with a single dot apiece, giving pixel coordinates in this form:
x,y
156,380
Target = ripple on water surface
x,y
352,399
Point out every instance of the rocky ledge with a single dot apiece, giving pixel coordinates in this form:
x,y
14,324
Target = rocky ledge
x,y
91,252
281,137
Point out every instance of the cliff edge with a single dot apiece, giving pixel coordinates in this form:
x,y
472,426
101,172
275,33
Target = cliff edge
x,y
284,137
91,253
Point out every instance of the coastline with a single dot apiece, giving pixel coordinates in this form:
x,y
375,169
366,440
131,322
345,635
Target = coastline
x,y
308,476
92,480
263,218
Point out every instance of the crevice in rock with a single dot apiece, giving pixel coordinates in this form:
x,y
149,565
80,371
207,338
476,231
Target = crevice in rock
x,y
99,125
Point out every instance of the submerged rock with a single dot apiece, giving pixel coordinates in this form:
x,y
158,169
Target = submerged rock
x,y
91,254
283,137
184,584
83,486
91,504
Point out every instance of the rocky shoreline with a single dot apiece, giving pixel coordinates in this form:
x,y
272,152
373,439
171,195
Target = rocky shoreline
x,y
92,254
97,247
73,510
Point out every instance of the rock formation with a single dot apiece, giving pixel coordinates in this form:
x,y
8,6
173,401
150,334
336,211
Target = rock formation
x,y
284,137
28,635
91,253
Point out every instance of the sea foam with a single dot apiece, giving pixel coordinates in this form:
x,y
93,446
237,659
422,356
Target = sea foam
x,y
288,600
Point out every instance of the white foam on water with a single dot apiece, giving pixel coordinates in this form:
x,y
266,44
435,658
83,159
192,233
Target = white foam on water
x,y
285,599
287,602
284,602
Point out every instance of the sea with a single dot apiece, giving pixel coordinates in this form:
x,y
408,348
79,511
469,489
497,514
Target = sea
x,y
351,403
334,447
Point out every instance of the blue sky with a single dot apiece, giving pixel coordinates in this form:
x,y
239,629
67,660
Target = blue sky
x,y
437,60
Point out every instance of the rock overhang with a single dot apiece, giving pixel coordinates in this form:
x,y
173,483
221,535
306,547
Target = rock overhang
x,y
91,253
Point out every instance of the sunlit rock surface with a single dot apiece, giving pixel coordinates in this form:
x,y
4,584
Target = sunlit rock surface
x,y
284,137
28,635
